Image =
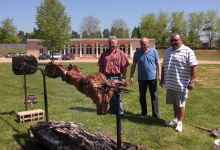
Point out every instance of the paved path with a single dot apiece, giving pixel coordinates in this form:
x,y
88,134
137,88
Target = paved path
x,y
2,60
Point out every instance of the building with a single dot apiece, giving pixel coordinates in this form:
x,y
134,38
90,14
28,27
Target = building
x,y
92,47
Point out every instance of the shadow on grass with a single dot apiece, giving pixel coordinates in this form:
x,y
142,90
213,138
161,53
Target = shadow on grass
x,y
129,116
18,136
30,143
143,120
83,109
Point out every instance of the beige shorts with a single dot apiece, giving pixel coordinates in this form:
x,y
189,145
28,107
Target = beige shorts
x,y
176,97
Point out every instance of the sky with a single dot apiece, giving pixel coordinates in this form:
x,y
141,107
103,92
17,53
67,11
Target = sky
x,y
23,12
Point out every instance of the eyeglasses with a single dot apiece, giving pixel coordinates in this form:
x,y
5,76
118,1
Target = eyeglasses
x,y
174,40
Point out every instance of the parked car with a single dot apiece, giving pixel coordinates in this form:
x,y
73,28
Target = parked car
x,y
44,56
56,56
22,54
68,56
10,55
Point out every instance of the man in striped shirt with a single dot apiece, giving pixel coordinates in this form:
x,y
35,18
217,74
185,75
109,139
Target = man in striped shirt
x,y
178,77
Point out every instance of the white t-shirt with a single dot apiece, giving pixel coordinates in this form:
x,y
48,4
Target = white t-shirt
x,y
177,67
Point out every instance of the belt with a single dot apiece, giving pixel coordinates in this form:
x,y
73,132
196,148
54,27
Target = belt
x,y
113,75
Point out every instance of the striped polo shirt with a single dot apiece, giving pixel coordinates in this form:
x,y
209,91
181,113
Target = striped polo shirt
x,y
177,67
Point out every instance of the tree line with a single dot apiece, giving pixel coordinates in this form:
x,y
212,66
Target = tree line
x,y
53,26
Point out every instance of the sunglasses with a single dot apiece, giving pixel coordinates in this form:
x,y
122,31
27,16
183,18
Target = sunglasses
x,y
174,40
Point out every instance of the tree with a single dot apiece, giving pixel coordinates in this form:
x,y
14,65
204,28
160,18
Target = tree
x,y
33,35
97,34
119,28
211,26
85,34
106,33
179,24
148,25
218,42
75,35
53,24
195,22
218,28
90,27
8,32
21,35
161,24
136,33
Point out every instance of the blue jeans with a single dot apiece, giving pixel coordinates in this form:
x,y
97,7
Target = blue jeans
x,y
113,101
152,84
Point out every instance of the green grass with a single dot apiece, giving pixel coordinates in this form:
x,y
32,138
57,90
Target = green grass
x,y
200,54
66,103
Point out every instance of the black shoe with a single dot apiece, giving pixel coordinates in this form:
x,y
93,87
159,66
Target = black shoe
x,y
142,115
156,116
122,116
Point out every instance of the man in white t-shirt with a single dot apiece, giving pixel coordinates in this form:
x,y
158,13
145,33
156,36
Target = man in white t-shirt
x,y
178,77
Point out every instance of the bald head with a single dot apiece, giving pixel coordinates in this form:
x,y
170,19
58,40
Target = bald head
x,y
144,42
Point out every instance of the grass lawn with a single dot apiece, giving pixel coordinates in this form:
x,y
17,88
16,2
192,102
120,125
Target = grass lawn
x,y
67,104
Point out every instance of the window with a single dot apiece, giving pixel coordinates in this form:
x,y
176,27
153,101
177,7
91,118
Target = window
x,y
78,49
88,49
122,48
129,49
73,49
105,48
41,50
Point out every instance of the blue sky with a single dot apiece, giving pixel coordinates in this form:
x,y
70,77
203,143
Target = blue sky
x,y
23,12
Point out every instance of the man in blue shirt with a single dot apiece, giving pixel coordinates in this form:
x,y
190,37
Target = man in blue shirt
x,y
148,71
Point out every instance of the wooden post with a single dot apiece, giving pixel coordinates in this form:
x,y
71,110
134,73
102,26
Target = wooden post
x,y
45,96
118,119
25,92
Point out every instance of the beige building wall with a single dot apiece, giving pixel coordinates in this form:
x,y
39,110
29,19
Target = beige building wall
x,y
87,47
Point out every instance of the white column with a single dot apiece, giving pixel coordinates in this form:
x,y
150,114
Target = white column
x,y
131,51
97,51
80,52
68,50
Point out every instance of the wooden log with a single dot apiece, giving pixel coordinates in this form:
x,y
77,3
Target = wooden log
x,y
68,135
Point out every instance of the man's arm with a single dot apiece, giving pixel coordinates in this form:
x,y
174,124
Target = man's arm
x,y
158,70
193,78
162,77
133,66
99,64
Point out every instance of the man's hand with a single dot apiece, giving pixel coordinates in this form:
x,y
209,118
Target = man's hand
x,y
190,86
131,80
161,83
159,78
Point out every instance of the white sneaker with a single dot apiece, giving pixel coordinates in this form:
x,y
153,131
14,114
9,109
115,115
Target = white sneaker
x,y
172,123
179,126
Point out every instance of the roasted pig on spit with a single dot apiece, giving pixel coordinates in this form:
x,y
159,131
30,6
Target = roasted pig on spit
x,y
95,85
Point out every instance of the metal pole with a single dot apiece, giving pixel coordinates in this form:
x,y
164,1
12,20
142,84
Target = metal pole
x,y
118,119
25,92
45,96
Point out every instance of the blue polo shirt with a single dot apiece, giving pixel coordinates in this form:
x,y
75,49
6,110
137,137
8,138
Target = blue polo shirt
x,y
147,68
